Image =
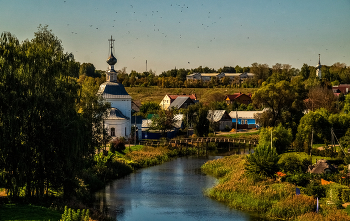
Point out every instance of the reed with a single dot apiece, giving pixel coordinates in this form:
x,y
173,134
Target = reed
x,y
275,199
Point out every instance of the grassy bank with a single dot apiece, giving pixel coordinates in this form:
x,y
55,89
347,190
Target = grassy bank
x,y
274,199
156,94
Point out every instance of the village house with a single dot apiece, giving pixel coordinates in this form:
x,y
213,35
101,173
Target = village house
x,y
181,102
321,167
245,119
239,98
342,88
220,118
168,99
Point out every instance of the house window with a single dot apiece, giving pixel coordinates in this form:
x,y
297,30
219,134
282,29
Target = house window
x,y
113,132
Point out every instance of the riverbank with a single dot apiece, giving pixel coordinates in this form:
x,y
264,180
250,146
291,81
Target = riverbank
x,y
274,199
107,166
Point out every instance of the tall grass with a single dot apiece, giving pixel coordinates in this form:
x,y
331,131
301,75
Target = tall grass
x,y
273,198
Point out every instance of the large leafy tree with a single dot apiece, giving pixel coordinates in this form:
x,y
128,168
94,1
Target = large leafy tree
x,y
278,98
43,136
281,138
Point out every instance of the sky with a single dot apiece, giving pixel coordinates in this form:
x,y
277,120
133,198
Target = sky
x,y
189,33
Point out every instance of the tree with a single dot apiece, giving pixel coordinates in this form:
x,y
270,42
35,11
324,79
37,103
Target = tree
x,y
163,121
44,139
305,71
87,69
149,107
316,123
263,162
281,138
277,98
197,116
322,97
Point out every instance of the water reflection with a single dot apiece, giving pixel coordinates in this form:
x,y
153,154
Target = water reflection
x,y
171,191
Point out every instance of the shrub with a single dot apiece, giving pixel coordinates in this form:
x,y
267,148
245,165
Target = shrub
x,y
314,189
345,195
293,207
334,192
72,215
263,162
291,164
117,144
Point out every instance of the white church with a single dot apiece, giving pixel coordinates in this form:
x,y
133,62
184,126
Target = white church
x,y
118,122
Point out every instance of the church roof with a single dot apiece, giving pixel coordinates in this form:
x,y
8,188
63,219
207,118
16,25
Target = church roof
x,y
115,113
113,90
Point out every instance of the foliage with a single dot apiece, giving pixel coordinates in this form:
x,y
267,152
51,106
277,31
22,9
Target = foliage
x,y
27,212
281,138
316,121
164,121
291,164
281,99
293,206
321,97
45,139
334,192
117,144
72,215
262,162
149,107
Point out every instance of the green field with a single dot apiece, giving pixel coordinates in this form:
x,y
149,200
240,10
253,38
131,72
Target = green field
x,y
156,94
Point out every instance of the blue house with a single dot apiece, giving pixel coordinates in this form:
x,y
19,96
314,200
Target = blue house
x,y
245,119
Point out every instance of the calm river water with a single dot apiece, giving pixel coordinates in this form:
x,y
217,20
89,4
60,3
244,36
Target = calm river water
x,y
170,191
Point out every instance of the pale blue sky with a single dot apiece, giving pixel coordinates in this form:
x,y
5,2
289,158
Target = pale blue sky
x,y
189,33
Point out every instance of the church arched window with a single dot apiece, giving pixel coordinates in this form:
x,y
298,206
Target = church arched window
x,y
112,131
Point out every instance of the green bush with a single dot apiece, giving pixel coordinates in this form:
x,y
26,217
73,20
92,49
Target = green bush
x,y
291,164
314,189
334,192
72,215
263,162
345,195
300,179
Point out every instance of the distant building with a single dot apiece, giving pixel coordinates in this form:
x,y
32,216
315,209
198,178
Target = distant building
x,y
181,102
194,76
318,67
342,88
321,166
245,119
207,76
168,99
239,98
220,118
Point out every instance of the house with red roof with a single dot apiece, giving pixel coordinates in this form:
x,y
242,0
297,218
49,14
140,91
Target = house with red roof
x,y
341,88
169,98
239,98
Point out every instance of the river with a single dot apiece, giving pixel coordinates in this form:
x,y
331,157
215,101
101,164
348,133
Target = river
x,y
170,191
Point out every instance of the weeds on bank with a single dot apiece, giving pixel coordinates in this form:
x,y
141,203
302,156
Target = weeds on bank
x,y
275,199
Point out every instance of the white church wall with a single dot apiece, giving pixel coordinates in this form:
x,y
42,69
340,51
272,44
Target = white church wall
x,y
122,127
124,105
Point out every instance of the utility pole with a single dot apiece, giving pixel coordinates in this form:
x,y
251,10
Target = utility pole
x,y
236,120
312,139
271,137
187,123
146,65
135,131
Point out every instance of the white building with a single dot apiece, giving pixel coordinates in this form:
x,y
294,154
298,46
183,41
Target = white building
x,y
118,123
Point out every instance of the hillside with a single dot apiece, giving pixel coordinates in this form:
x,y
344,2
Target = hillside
x,y
156,94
